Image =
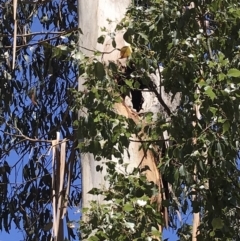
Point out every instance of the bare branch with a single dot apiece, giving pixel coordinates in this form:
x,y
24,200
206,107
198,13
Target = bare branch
x,y
28,138
36,2
45,40
33,34
149,141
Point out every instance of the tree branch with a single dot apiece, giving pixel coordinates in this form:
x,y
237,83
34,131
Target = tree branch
x,y
159,96
149,141
28,138
35,33
45,40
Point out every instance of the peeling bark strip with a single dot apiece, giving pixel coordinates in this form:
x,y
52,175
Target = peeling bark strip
x,y
137,157
151,102
15,32
59,191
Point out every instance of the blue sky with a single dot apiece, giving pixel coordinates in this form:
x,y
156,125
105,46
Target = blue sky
x,y
17,235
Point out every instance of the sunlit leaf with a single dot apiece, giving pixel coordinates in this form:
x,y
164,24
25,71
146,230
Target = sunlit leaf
x,y
233,73
128,207
209,92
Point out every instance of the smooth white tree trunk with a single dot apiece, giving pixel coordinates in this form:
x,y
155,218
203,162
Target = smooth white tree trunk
x,y
93,15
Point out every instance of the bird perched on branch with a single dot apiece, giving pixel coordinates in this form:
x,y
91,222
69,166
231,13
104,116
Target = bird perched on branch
x,y
125,52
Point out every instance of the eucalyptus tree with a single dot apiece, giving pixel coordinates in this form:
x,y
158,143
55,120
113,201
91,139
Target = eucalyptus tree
x,y
110,119
36,73
197,143
169,111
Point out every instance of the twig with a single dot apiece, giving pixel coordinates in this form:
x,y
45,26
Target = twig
x,y
203,25
159,95
36,33
36,2
148,141
45,40
28,138
209,47
31,139
20,184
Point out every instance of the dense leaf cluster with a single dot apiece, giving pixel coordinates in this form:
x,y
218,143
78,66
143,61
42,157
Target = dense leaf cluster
x,y
128,213
35,102
198,46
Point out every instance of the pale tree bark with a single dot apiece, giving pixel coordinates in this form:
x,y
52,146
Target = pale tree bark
x,y
93,15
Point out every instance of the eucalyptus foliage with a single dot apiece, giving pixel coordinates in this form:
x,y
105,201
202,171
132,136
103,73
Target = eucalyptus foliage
x,y
127,214
35,102
198,46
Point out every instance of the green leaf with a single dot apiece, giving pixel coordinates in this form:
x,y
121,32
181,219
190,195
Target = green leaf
x,y
233,73
129,83
128,207
99,168
144,36
212,234
95,191
148,117
47,226
155,232
93,238
62,47
101,39
221,76
114,43
176,176
209,92
176,153
182,171
226,126
213,110
78,56
85,210
80,31
99,70
128,35
217,223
